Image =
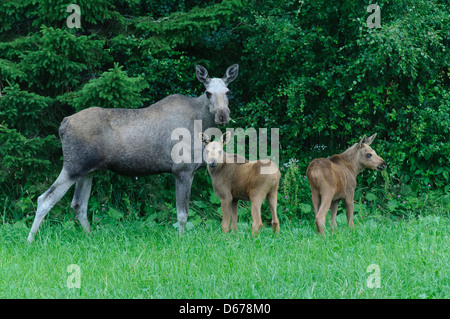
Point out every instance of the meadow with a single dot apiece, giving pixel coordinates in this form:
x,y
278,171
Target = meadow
x,y
144,260
315,71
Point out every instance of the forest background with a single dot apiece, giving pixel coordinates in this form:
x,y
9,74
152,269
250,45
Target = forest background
x,y
312,69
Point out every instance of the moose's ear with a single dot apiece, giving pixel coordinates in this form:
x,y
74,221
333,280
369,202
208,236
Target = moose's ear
x,y
226,137
369,140
204,138
231,74
361,141
202,74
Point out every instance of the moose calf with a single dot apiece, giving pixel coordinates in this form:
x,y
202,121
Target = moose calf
x,y
235,178
334,179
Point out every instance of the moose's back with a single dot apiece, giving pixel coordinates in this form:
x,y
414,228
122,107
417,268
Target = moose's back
x,y
132,142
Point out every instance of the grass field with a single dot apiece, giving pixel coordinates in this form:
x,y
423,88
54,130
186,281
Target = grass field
x,y
409,258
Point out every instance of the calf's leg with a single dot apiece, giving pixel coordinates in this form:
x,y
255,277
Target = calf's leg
x,y
47,200
272,201
234,214
226,213
256,201
315,196
349,207
334,208
325,203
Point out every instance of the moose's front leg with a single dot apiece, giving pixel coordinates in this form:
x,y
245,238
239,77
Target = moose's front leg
x,y
349,204
226,204
183,183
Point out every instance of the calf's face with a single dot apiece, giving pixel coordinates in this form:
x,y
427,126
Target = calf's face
x,y
367,157
213,152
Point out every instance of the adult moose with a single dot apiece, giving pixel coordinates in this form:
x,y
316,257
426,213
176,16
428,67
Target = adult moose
x,y
135,142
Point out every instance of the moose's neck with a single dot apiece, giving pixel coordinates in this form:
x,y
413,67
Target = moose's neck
x,y
227,159
351,157
215,171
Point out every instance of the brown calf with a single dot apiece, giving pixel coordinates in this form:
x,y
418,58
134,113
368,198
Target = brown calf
x,y
233,181
334,179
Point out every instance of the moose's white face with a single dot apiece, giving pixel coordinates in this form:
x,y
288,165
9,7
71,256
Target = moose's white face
x,y
217,92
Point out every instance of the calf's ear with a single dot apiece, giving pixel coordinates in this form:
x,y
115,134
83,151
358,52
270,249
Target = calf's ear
x,y
370,139
204,138
361,141
226,137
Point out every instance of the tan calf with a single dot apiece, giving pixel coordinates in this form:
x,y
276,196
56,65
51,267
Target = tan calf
x,y
233,181
334,179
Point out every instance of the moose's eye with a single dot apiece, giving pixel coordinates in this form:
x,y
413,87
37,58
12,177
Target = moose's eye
x,y
208,94
368,155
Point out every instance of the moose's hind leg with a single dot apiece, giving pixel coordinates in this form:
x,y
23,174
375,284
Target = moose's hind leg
x,y
81,199
272,200
325,203
334,208
47,200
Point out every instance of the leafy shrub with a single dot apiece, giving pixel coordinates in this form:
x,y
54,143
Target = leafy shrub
x,y
112,89
294,198
313,69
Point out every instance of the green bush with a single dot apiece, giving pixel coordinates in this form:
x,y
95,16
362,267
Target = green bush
x,y
313,69
112,89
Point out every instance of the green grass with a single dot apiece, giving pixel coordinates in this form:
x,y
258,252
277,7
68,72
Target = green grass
x,y
136,260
